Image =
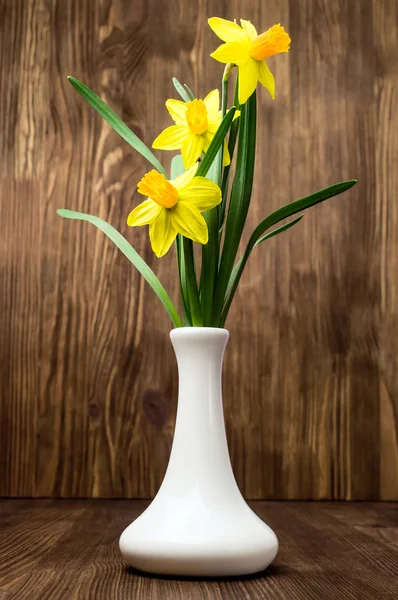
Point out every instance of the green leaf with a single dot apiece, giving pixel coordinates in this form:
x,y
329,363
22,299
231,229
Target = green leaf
x,y
240,200
233,134
297,206
133,257
210,250
186,264
238,268
190,92
278,230
220,155
210,256
218,175
182,275
116,123
216,143
192,286
181,90
177,168
282,213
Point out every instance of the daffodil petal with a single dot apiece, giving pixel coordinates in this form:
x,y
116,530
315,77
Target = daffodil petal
x,y
232,52
207,138
186,219
177,110
144,213
172,138
226,159
185,178
249,29
201,193
191,149
213,124
212,103
227,31
266,78
248,77
162,233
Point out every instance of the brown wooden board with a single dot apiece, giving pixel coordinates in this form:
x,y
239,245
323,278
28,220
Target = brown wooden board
x,y
67,549
87,375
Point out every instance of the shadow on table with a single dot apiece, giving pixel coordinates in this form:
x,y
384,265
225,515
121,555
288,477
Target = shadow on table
x,y
271,571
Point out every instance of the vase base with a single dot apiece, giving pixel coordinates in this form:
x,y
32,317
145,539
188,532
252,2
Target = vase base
x,y
236,565
207,547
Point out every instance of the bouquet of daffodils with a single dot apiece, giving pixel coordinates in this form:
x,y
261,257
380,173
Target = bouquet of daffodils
x,y
200,201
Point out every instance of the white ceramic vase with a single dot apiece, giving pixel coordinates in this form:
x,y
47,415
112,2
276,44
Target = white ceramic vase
x,y
199,524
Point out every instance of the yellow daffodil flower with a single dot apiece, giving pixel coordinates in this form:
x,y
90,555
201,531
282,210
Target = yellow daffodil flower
x,y
196,122
248,50
174,207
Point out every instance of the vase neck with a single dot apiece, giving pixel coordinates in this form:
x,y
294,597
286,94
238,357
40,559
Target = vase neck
x,y
200,446
199,352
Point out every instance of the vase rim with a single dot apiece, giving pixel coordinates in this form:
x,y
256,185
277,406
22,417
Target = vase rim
x,y
199,332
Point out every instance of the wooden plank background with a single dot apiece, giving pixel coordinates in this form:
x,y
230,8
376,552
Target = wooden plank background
x,y
87,375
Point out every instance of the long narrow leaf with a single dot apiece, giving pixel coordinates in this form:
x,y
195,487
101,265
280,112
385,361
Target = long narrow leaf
x,y
116,123
210,256
233,134
236,273
210,250
186,312
278,230
133,257
282,213
220,156
192,286
181,90
297,206
177,168
190,92
240,200
216,142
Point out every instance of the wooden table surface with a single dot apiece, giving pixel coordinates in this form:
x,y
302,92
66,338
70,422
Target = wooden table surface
x,y
67,549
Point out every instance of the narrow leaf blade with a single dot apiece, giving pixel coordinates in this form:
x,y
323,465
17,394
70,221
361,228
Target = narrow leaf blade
x,y
238,268
116,123
210,256
133,257
276,217
278,230
216,142
181,90
298,205
239,202
177,168
189,92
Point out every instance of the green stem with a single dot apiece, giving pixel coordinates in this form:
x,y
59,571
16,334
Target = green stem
x,y
192,286
233,134
183,281
210,251
210,257
224,99
240,200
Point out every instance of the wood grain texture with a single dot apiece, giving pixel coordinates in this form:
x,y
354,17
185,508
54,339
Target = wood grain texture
x,y
87,375
68,549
